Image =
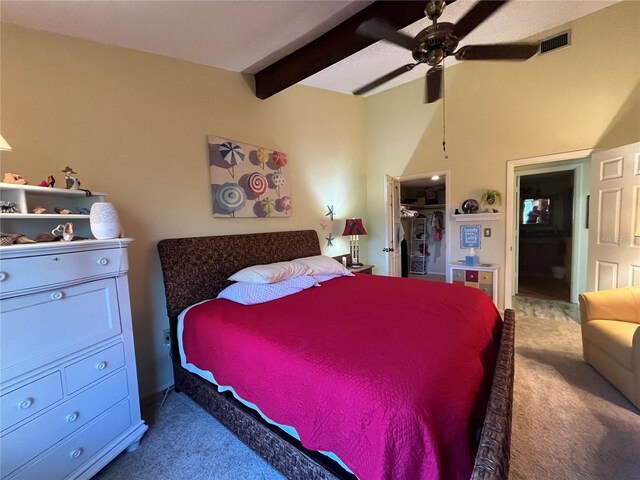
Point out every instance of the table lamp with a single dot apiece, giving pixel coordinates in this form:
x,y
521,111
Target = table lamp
x,y
354,228
4,145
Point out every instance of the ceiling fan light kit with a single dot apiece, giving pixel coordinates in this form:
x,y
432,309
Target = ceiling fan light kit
x,y
440,40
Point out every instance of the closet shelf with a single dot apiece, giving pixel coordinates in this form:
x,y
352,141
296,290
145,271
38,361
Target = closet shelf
x,y
422,207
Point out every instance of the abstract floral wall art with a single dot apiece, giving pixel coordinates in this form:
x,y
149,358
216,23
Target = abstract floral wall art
x,y
247,181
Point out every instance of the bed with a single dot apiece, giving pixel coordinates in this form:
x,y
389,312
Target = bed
x,y
197,269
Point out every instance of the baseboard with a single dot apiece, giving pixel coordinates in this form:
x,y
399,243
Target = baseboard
x,y
148,400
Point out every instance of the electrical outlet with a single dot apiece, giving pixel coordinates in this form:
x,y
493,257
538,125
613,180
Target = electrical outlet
x,y
166,337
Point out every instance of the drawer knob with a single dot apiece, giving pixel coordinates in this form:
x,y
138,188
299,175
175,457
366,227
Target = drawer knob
x,y
72,417
75,453
102,261
3,276
26,403
56,295
101,366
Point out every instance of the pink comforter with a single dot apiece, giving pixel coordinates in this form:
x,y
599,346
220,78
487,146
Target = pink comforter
x,y
392,375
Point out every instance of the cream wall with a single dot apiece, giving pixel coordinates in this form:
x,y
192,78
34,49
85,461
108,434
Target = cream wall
x,y
134,125
587,95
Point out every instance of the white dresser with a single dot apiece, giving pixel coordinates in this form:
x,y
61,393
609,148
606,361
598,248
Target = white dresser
x,y
69,398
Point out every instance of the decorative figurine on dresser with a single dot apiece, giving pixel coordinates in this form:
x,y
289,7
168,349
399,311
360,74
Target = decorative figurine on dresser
x,y
69,391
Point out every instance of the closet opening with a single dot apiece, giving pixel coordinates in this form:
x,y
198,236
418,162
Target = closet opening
x,y
423,207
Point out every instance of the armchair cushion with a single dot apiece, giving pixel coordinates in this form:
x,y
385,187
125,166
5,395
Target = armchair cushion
x,y
614,337
610,321
618,304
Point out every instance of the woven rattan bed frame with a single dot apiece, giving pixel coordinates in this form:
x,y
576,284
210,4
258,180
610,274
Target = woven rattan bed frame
x,y
196,269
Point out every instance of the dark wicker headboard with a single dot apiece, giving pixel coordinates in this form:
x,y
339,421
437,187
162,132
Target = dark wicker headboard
x,y
196,269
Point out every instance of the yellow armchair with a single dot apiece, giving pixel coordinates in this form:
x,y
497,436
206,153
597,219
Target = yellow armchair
x,y
610,321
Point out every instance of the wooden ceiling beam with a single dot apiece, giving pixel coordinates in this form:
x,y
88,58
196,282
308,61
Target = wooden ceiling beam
x,y
333,46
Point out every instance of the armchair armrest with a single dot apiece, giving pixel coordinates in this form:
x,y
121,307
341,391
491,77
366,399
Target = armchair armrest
x,y
622,304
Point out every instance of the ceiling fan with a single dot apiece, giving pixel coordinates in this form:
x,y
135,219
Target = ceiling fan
x,y
440,40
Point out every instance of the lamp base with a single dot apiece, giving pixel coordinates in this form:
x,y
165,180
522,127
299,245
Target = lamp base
x,y
356,265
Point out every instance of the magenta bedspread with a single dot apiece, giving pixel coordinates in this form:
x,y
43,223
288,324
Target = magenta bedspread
x,y
392,375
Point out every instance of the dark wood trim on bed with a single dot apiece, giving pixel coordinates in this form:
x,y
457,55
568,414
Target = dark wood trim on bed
x,y
492,458
196,269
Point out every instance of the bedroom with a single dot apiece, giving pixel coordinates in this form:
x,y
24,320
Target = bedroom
x,y
134,125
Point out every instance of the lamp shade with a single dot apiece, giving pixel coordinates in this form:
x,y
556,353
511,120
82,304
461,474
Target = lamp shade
x,y
4,145
353,226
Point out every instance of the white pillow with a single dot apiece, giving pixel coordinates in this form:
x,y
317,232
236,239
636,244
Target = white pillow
x,y
251,293
325,278
323,265
271,273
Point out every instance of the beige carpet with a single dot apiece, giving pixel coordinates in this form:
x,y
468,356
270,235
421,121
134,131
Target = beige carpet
x,y
568,422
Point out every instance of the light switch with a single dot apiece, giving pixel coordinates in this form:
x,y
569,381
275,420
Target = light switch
x,y
487,232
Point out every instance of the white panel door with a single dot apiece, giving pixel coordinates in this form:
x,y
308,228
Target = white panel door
x,y
392,214
614,219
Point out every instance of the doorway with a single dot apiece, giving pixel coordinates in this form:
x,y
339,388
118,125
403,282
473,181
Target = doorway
x,y
545,246
422,210
422,250
579,162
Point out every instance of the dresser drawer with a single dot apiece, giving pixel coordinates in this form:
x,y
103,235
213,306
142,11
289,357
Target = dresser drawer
x,y
32,272
51,324
33,438
471,276
488,289
75,451
90,369
24,401
485,277
458,276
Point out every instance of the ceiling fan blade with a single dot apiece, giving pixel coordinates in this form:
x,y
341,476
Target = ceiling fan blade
x,y
381,30
385,78
433,84
474,17
509,51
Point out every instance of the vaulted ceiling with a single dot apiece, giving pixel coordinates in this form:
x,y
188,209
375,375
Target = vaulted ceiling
x,y
252,36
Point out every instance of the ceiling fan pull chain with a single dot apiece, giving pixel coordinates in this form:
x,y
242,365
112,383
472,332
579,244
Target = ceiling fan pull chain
x,y
444,123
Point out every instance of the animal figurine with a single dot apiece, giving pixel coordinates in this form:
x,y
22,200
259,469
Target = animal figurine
x,y
14,178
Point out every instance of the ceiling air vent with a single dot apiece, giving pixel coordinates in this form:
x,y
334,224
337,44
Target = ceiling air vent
x,y
557,41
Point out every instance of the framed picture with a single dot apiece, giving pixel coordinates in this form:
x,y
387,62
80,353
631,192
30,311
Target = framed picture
x,y
247,181
470,236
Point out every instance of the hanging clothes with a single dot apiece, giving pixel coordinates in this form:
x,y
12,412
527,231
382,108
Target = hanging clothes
x,y
437,222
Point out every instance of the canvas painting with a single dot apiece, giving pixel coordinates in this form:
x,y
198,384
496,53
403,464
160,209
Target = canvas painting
x,y
247,181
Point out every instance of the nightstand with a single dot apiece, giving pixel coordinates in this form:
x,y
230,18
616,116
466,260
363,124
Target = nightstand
x,y
363,269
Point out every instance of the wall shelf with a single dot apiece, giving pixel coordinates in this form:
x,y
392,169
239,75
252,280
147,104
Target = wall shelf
x,y
27,197
476,217
41,216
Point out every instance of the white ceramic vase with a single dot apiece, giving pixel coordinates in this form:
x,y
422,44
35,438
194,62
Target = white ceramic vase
x,y
104,221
